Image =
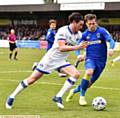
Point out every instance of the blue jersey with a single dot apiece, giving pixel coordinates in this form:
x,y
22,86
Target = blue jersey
x,y
97,50
50,37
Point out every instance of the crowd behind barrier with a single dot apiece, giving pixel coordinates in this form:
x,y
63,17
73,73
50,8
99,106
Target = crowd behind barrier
x,y
25,32
33,32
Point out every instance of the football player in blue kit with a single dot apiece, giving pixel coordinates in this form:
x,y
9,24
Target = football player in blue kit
x,y
96,56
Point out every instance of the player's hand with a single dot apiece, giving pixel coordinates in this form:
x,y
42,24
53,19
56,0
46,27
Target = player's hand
x,y
81,57
83,44
110,52
12,42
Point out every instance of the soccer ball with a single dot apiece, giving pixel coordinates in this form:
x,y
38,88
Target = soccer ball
x,y
99,103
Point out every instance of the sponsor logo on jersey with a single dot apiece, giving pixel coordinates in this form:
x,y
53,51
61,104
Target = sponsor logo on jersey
x,y
98,35
88,37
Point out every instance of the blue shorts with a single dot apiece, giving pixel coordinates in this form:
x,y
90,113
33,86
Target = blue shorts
x,y
97,65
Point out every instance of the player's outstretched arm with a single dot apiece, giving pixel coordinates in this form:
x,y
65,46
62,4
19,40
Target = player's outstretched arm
x,y
112,46
63,47
109,39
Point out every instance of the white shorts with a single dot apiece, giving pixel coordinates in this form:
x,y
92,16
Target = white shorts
x,y
47,65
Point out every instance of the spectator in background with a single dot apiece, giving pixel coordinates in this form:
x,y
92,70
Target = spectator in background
x,y
12,44
50,37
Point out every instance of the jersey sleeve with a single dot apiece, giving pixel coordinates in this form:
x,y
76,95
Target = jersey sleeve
x,y
61,34
108,38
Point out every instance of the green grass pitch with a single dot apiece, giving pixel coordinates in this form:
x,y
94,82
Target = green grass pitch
x,y
37,99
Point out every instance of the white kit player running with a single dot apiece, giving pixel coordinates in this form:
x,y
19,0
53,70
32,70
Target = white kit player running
x,y
55,59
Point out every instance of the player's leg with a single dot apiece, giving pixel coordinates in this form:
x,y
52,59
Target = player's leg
x,y
74,75
15,52
98,70
115,60
73,92
90,66
11,50
10,55
93,75
22,85
84,85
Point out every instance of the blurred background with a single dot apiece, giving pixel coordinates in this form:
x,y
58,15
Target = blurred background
x,y
30,18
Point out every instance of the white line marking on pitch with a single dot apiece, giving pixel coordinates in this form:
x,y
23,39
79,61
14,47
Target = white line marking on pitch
x,y
16,71
2,53
51,83
28,71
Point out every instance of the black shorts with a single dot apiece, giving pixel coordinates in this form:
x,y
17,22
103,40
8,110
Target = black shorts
x,y
12,46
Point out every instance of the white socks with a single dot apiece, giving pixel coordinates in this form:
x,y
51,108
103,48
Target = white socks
x,y
19,88
67,85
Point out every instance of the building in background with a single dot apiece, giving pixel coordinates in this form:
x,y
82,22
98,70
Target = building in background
x,y
30,17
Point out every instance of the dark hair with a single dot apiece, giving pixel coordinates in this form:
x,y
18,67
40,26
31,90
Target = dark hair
x,y
52,21
75,16
90,17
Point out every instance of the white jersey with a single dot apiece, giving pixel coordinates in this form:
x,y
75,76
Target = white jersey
x,y
54,56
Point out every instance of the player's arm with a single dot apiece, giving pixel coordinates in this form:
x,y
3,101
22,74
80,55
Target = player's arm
x,y
62,44
77,52
80,56
63,47
109,39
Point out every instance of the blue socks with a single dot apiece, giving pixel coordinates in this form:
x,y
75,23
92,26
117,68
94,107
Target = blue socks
x,y
82,87
77,89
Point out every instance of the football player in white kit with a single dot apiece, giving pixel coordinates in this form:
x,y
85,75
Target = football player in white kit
x,y
55,59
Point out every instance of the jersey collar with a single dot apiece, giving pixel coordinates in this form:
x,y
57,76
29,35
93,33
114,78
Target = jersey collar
x,y
71,31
